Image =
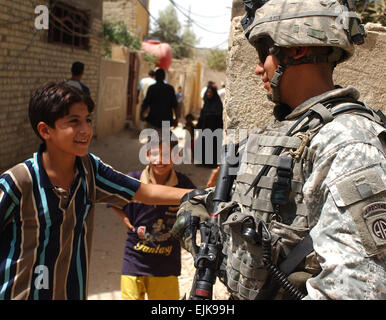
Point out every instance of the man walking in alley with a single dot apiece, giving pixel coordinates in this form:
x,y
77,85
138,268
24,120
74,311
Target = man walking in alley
x,y
161,101
77,71
144,84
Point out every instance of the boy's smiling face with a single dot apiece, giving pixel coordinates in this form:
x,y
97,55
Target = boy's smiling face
x,y
72,133
160,160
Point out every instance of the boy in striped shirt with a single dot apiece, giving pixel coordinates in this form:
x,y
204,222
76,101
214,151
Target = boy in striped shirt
x,y
47,202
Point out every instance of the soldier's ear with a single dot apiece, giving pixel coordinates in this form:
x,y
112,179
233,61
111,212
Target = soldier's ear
x,y
300,52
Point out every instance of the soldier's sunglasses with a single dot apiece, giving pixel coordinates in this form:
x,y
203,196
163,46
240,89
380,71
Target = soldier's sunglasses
x,y
264,48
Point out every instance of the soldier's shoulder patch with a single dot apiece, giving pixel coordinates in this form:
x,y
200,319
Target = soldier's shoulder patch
x,y
374,215
369,216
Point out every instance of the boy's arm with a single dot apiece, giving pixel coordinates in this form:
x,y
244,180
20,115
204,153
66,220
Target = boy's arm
x,y
213,178
118,189
159,194
9,200
125,219
112,187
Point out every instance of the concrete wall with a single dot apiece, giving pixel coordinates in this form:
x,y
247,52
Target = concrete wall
x,y
27,60
141,69
131,12
237,8
111,107
187,73
142,20
246,105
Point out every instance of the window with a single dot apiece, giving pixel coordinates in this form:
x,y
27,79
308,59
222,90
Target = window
x,y
69,26
144,3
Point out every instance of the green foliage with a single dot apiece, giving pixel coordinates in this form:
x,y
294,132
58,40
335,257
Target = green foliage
x,y
168,29
372,11
150,59
216,59
116,32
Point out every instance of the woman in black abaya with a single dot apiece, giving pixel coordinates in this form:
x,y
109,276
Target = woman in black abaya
x,y
211,118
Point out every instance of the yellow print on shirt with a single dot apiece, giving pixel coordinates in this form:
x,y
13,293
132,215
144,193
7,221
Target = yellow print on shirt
x,y
141,246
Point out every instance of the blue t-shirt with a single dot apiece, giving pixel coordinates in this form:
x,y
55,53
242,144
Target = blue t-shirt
x,y
152,250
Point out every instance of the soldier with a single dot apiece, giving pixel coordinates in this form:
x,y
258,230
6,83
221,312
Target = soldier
x,y
307,213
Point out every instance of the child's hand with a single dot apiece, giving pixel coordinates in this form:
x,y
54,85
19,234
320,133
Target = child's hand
x,y
128,224
213,178
125,219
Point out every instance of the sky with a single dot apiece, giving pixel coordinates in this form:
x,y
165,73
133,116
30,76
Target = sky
x,y
211,19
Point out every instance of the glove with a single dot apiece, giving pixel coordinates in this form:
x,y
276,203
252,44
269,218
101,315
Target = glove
x,y
193,210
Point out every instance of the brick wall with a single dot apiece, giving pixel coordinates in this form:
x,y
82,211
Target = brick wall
x,y
131,12
122,10
27,60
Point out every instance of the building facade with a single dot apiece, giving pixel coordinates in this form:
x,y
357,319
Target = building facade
x,y
134,13
31,55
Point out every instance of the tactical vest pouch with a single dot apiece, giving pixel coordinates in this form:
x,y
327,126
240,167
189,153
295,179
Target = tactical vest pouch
x,y
282,186
245,269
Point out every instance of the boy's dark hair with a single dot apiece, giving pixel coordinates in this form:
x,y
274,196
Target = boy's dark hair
x,y
160,75
151,73
157,135
77,68
52,101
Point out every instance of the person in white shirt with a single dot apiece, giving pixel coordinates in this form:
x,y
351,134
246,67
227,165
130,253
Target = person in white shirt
x,y
144,84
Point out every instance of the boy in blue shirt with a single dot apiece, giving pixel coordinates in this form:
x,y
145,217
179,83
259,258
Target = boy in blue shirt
x,y
152,257
47,202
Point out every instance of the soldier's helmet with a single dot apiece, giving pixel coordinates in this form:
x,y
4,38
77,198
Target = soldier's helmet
x,y
290,23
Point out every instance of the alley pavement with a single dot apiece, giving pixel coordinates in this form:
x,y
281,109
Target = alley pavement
x,y
121,151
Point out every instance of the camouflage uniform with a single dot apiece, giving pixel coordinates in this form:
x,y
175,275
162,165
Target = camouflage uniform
x,y
342,172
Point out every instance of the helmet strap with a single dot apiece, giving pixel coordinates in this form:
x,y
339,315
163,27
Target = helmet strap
x,y
333,58
275,83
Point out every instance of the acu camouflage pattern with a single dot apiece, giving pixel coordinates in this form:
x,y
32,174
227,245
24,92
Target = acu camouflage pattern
x,y
336,182
303,23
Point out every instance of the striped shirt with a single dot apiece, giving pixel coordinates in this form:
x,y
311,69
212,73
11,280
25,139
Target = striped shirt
x,y
46,232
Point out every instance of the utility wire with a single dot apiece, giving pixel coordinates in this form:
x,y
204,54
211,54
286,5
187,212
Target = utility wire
x,y
220,44
199,15
194,22
14,61
29,44
156,22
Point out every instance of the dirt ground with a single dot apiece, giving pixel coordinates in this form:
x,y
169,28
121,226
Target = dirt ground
x,y
121,152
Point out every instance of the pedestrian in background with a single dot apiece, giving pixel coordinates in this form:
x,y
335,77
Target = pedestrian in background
x,y
211,118
189,127
160,102
144,84
77,71
180,100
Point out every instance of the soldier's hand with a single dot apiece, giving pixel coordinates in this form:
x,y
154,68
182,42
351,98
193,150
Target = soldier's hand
x,y
193,210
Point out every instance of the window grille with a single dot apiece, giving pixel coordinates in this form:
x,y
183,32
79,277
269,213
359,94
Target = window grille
x,y
69,26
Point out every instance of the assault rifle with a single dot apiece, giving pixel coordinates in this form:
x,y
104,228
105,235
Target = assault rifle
x,y
208,255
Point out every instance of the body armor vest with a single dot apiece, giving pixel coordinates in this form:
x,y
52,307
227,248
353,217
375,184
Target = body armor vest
x,y
288,223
